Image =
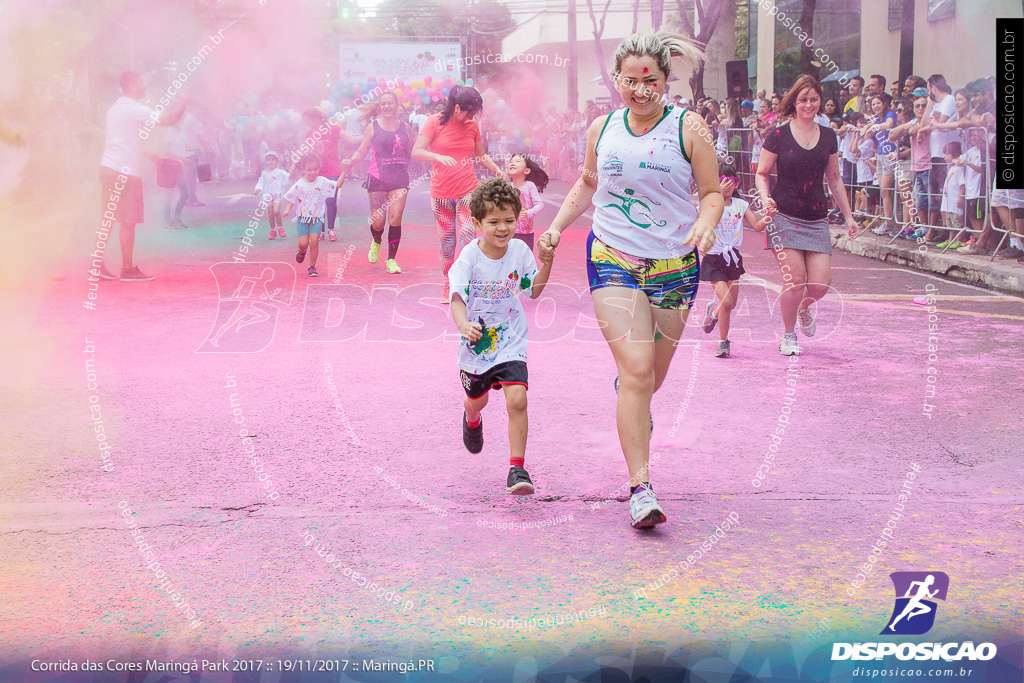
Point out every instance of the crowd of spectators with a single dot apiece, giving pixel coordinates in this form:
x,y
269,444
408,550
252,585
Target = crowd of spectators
x,y
918,161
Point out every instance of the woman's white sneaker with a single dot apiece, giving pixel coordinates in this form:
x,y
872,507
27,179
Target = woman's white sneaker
x,y
789,345
644,509
805,322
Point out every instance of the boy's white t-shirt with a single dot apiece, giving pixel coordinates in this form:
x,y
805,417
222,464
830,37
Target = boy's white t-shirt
x,y
866,147
490,289
951,189
972,179
272,182
310,199
729,231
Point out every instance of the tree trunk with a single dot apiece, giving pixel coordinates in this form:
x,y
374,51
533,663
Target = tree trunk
x,y
807,51
708,12
599,51
697,82
657,12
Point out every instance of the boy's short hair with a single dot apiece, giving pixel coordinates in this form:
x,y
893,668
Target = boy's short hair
x,y
953,149
496,193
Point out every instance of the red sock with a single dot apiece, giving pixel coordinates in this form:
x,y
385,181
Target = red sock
x,y
474,425
516,462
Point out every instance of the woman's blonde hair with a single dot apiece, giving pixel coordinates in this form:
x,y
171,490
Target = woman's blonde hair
x,y
371,109
661,46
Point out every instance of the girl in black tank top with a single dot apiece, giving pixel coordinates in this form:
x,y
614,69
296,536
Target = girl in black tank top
x,y
388,140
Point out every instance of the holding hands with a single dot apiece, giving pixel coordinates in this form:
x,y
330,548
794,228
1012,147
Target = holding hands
x,y
547,243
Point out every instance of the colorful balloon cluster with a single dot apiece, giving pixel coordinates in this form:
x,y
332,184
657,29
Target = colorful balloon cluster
x,y
420,91
283,123
503,117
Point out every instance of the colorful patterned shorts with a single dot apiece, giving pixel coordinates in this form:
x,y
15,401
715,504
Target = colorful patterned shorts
x,y
668,283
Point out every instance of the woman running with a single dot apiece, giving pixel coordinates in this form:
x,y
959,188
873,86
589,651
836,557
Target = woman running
x,y
805,154
450,139
641,261
387,181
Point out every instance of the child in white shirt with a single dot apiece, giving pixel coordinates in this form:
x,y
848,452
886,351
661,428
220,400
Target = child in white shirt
x,y
271,186
310,193
486,282
530,179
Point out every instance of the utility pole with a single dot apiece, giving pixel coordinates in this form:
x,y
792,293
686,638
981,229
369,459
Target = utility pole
x,y
573,97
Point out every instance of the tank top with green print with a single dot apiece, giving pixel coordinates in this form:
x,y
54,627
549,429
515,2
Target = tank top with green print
x,y
642,205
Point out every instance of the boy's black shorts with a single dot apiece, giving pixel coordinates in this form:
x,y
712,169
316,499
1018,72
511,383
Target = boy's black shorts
x,y
512,372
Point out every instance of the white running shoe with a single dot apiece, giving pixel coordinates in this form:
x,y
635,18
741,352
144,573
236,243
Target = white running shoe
x,y
789,345
644,509
805,321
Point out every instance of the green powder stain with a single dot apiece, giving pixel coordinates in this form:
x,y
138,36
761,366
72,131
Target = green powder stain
x,y
488,341
525,282
657,336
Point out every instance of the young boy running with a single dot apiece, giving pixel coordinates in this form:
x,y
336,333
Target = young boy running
x,y
485,283
310,193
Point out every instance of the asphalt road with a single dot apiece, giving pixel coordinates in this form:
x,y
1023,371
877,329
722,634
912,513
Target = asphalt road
x,y
358,435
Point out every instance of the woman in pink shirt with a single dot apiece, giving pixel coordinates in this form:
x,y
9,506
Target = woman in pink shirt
x,y
450,140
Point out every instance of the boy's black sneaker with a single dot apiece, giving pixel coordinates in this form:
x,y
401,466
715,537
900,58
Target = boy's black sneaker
x,y
473,437
519,482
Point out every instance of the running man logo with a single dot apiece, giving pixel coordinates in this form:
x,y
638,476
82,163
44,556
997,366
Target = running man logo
x,y
247,316
914,613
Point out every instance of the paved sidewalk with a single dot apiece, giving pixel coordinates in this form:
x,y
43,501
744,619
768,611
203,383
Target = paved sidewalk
x,y
1002,274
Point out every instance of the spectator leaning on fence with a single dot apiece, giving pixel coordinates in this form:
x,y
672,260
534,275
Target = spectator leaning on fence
x,y
940,107
857,98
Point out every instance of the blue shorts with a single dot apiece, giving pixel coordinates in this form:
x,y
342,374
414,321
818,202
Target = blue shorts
x,y
310,228
668,283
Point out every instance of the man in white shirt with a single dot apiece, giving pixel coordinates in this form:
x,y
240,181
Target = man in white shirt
x,y
121,171
941,106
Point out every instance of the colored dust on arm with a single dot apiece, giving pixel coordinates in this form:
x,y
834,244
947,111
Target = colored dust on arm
x,y
658,336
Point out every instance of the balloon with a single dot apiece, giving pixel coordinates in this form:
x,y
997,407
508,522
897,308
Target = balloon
x,y
445,91
528,142
459,82
469,81
428,79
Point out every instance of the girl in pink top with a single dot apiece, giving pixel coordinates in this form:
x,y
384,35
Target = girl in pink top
x,y
531,181
450,140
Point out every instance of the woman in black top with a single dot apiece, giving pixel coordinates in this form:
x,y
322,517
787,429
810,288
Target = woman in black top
x,y
389,142
804,154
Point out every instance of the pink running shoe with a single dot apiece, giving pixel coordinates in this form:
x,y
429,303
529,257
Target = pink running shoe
x,y
271,235
280,232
